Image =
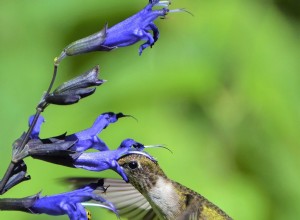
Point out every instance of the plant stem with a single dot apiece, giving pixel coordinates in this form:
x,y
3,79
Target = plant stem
x,y
39,109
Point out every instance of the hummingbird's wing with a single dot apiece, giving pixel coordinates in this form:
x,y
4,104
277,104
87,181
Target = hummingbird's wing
x,y
130,203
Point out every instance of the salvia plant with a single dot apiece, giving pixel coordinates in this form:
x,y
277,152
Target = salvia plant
x,y
71,150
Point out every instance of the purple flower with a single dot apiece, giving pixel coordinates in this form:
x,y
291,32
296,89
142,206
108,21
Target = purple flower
x,y
88,138
85,139
99,161
37,127
59,153
68,203
138,27
135,29
70,150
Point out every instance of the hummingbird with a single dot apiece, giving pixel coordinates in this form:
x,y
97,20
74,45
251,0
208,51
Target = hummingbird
x,y
151,195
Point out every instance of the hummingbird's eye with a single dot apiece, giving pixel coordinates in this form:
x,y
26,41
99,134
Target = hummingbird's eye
x,y
133,165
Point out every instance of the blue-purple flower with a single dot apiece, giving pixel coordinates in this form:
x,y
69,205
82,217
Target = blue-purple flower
x,y
99,161
83,140
70,150
69,203
37,127
139,27
88,138
59,153
135,29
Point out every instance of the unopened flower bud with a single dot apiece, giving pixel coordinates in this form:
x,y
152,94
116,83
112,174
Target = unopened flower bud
x,y
84,45
73,90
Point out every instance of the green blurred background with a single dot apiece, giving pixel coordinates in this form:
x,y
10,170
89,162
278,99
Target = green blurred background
x,y
220,88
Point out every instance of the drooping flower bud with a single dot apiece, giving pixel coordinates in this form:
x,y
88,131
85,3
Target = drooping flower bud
x,y
73,90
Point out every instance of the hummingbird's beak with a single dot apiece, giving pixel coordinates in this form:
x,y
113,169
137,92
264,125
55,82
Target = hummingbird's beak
x,y
140,153
158,146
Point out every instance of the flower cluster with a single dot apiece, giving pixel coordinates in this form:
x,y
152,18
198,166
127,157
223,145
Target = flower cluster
x,y
69,150
73,150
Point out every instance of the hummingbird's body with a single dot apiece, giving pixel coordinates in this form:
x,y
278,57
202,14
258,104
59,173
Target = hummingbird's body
x,y
175,201
151,195
169,200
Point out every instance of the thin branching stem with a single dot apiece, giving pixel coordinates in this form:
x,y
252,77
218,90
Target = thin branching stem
x,y
52,80
39,109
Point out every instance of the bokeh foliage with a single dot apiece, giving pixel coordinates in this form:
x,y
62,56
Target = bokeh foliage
x,y
221,89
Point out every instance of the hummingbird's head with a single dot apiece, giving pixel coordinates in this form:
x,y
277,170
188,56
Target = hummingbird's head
x,y
142,172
